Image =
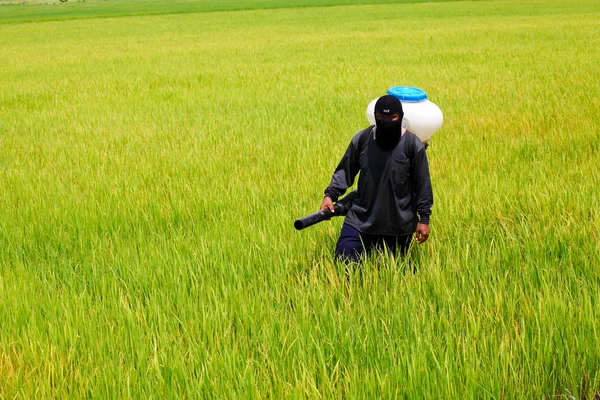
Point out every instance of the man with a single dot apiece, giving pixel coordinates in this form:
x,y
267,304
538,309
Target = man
x,y
395,196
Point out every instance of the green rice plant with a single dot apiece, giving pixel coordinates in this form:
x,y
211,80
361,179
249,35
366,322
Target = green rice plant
x,y
153,166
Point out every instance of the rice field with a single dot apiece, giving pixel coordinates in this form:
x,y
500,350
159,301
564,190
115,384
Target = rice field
x,y
153,158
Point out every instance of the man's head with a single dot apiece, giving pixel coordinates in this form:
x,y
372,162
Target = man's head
x,y
388,107
388,118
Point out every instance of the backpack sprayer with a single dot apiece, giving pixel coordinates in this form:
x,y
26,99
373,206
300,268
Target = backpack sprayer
x,y
421,117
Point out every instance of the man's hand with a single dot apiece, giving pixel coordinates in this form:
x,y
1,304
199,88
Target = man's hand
x,y
327,204
422,233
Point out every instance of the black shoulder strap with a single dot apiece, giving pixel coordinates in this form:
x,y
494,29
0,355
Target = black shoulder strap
x,y
363,140
410,145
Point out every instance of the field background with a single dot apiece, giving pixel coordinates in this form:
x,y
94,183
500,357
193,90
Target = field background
x,y
152,166
52,10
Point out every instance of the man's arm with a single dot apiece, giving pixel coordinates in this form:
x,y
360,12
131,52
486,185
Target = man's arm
x,y
423,193
343,176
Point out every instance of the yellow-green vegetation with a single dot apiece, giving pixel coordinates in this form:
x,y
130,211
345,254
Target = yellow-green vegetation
x,y
50,10
152,166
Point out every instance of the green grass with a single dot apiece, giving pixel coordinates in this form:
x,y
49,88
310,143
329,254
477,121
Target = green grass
x,y
152,167
19,11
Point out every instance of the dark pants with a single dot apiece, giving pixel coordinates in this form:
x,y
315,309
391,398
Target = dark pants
x,y
352,244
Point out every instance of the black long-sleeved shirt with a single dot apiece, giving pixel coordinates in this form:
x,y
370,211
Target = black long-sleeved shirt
x,y
392,190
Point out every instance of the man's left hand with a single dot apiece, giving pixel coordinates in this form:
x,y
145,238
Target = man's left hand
x,y
422,233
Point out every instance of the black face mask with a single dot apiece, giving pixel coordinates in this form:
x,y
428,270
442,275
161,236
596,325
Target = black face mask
x,y
388,133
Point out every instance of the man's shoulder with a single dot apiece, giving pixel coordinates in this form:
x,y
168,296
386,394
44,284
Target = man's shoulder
x,y
414,144
361,138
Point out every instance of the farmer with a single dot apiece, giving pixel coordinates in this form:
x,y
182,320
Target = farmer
x,y
395,196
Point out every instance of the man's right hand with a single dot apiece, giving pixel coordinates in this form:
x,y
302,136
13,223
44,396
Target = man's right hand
x,y
327,204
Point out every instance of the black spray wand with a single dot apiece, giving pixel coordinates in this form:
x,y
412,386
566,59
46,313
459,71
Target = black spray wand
x,y
340,208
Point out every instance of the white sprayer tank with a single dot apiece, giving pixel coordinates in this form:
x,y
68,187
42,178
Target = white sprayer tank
x,y
421,116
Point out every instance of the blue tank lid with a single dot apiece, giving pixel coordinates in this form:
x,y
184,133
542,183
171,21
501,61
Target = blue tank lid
x,y
407,94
